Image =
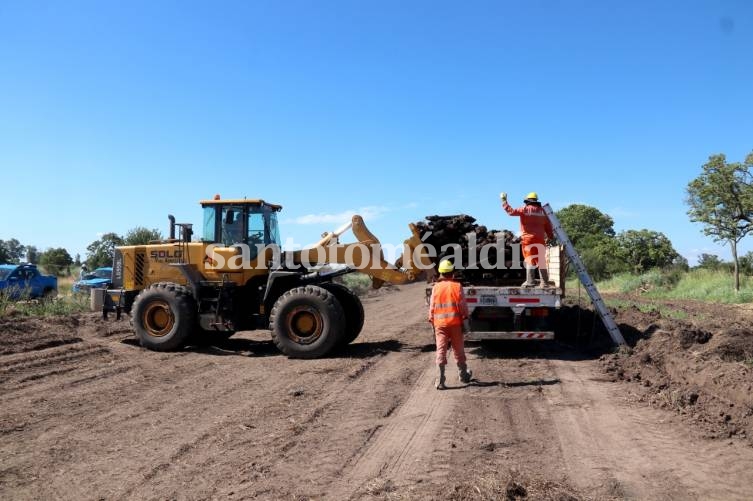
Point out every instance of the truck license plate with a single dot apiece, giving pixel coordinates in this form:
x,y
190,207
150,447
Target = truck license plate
x,y
487,300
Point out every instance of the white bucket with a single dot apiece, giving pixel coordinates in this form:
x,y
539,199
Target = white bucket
x,y
97,299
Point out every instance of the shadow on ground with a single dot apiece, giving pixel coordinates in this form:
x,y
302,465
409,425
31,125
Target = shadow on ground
x,y
254,348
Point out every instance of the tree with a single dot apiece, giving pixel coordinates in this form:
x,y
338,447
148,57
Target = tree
x,y
601,256
721,198
77,260
583,221
32,254
55,260
709,262
11,251
100,252
646,249
746,263
592,233
141,236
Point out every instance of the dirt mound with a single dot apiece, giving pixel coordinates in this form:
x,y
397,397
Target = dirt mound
x,y
700,366
511,486
19,334
736,346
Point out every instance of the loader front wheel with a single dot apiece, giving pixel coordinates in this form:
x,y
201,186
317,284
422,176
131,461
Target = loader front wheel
x,y
353,310
307,322
164,316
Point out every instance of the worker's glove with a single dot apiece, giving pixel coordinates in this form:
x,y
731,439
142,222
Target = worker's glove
x,y
503,196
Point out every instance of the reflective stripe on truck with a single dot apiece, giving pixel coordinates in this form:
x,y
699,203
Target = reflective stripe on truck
x,y
511,335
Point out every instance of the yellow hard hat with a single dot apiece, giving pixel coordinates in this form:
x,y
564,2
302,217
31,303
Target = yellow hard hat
x,y
446,266
532,197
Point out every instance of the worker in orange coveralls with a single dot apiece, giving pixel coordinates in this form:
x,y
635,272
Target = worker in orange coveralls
x,y
447,310
536,229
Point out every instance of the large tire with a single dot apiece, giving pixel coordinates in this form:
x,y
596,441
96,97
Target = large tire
x,y
353,309
307,322
164,316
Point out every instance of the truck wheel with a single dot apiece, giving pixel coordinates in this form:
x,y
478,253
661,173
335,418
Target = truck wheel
x,y
307,322
164,316
49,294
353,309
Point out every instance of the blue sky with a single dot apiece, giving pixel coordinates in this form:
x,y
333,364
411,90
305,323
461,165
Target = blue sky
x,y
114,114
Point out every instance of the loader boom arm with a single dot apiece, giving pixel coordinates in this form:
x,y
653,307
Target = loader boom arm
x,y
366,254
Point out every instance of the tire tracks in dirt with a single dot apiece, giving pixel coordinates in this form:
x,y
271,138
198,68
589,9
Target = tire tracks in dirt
x,y
614,448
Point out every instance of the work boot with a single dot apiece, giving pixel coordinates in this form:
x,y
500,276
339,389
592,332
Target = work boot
x,y
544,274
464,374
530,278
441,379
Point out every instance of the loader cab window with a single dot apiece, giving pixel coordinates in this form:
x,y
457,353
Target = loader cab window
x,y
255,227
250,224
232,225
208,234
273,230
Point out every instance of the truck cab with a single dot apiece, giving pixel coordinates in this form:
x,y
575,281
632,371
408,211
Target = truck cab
x,y
23,281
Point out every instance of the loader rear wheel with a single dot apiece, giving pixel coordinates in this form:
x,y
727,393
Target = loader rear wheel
x,y
353,309
164,316
307,322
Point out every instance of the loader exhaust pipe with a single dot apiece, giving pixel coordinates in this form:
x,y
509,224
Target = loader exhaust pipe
x,y
172,226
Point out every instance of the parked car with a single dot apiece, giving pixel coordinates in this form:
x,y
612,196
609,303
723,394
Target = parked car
x,y
23,281
100,278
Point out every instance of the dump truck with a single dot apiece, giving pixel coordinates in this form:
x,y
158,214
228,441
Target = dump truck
x,y
235,277
500,308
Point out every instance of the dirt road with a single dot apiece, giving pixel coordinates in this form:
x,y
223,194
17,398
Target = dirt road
x,y
87,414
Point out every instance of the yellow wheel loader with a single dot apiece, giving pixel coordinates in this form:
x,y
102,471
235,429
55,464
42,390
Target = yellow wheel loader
x,y
234,276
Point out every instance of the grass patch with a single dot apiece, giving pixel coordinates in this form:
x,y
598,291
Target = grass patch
x,y
65,285
60,306
698,285
664,311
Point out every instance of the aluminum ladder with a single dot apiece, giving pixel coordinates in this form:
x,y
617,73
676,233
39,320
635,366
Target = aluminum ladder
x,y
584,277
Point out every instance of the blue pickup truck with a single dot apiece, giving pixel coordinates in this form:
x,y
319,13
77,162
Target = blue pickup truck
x,y
23,281
101,278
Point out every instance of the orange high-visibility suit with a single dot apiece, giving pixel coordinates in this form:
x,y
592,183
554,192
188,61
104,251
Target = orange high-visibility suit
x,y
447,309
535,228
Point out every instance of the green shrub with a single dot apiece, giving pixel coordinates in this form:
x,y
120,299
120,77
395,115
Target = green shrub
x,y
357,282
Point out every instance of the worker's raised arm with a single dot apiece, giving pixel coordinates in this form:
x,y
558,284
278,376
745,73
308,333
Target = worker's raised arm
x,y
512,210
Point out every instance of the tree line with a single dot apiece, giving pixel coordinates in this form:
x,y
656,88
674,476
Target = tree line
x,y
57,260
720,198
606,253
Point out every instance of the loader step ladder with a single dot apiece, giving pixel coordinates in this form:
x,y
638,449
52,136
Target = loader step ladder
x,y
584,277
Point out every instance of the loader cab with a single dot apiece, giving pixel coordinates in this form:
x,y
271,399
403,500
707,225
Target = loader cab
x,y
230,222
